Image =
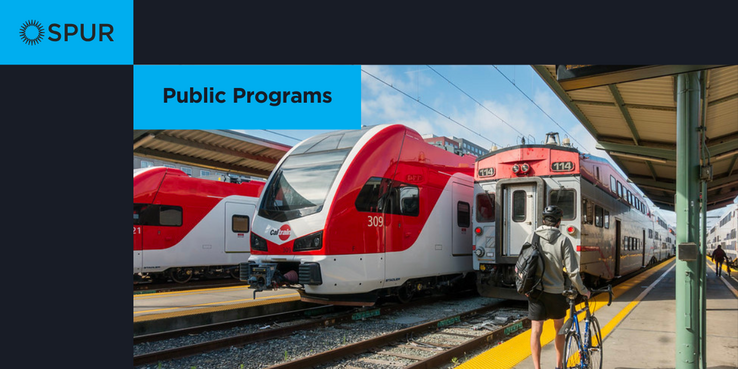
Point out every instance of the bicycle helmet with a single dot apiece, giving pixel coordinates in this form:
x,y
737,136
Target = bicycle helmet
x,y
554,212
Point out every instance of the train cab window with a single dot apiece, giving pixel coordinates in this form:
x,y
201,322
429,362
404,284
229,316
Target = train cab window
x,y
607,219
518,206
463,218
486,207
598,216
587,211
369,195
564,199
170,216
409,203
240,224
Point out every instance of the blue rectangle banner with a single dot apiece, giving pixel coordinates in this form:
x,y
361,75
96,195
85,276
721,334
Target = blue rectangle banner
x,y
66,32
246,96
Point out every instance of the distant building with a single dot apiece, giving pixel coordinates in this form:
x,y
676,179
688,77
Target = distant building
x,y
455,145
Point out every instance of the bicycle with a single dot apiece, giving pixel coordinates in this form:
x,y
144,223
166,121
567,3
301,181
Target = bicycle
x,y
582,349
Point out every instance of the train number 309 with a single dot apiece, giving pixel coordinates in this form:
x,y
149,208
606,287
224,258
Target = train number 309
x,y
375,221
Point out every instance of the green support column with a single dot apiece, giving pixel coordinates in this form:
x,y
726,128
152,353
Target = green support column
x,y
703,277
703,228
688,321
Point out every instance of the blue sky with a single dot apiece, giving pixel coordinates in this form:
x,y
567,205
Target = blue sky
x,y
485,104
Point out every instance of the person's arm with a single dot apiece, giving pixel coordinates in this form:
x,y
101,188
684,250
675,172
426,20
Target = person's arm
x,y
571,262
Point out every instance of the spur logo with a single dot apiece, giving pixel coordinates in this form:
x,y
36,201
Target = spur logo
x,y
32,32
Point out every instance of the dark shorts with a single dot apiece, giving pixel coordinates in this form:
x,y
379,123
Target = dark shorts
x,y
547,306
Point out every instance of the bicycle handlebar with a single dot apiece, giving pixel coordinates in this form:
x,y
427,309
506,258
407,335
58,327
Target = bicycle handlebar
x,y
607,289
571,293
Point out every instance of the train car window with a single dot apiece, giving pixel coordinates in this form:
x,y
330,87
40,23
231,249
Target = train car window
x,y
370,193
565,199
170,216
607,219
240,224
597,173
138,213
486,207
626,243
650,233
598,216
463,218
587,211
519,206
613,186
630,197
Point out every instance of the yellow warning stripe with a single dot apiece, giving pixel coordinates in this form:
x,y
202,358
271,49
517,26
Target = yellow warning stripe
x,y
257,302
511,352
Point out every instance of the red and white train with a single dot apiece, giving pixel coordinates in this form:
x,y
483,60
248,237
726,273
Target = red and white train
x,y
349,217
607,221
185,227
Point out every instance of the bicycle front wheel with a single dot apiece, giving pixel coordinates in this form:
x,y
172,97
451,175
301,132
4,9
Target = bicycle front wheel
x,y
571,351
594,346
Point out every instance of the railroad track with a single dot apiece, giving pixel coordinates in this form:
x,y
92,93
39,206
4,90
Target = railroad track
x,y
427,345
341,318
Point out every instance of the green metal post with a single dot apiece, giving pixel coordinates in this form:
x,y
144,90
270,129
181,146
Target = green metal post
x,y
703,229
703,279
688,320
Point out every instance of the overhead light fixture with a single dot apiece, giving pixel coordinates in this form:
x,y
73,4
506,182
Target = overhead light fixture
x,y
639,157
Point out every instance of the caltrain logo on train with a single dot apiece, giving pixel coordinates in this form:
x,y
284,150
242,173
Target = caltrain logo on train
x,y
283,232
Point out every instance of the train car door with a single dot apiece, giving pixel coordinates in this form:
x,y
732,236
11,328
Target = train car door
x,y
461,227
238,226
643,245
520,214
618,247
137,239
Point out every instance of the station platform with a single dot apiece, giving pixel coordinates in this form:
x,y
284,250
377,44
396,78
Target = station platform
x,y
639,328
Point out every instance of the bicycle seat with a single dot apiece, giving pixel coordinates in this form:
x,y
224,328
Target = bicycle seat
x,y
570,294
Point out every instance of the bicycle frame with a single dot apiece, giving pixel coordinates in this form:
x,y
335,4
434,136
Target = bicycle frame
x,y
573,326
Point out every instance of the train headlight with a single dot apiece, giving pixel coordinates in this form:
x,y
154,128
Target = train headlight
x,y
310,242
525,168
479,252
516,168
258,243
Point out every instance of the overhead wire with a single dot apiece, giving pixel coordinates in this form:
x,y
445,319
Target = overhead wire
x,y
427,106
538,106
475,100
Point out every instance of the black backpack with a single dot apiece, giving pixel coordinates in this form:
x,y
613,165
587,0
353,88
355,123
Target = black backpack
x,y
529,267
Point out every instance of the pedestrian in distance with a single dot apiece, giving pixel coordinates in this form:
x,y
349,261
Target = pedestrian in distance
x,y
549,303
718,257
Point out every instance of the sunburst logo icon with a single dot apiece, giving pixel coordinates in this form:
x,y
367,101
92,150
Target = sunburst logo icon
x,y
31,32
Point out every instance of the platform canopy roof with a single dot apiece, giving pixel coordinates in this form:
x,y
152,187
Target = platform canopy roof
x,y
224,150
631,111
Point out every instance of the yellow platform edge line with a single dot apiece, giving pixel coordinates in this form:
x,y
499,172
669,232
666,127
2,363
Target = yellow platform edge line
x,y
261,301
512,352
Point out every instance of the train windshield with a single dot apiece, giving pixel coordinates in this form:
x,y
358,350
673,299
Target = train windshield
x,y
300,185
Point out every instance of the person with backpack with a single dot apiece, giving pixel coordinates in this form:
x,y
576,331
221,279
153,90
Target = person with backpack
x,y
546,301
718,257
